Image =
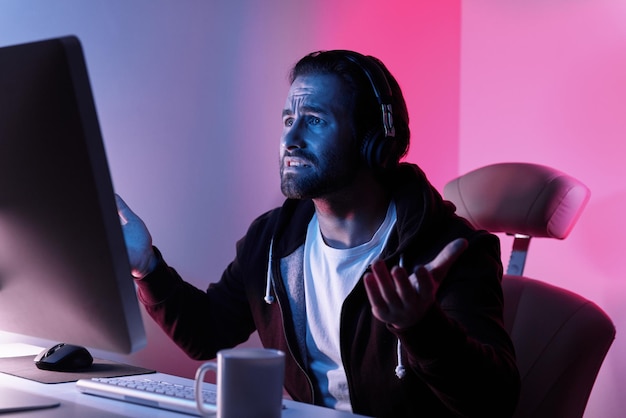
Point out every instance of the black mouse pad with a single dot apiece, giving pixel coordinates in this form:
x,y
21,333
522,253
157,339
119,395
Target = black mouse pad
x,y
24,367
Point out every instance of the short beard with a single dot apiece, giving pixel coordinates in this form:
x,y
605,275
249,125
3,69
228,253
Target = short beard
x,y
331,175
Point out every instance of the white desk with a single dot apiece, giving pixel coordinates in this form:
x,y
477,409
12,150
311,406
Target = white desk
x,y
76,404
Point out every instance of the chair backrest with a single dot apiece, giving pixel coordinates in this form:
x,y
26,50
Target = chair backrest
x,y
521,199
560,341
560,338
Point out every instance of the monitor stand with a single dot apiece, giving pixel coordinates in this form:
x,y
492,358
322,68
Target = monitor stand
x,y
12,400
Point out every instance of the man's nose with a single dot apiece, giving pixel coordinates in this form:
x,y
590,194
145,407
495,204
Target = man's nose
x,y
292,137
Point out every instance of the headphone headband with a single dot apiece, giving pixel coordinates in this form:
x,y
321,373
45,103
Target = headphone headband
x,y
380,86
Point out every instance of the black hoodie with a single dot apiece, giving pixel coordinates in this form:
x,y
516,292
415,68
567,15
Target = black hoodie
x,y
459,360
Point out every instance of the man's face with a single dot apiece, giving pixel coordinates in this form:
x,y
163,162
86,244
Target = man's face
x,y
318,154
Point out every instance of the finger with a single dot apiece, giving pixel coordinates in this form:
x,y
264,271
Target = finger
x,y
425,282
446,257
122,209
386,283
371,288
121,205
379,306
406,288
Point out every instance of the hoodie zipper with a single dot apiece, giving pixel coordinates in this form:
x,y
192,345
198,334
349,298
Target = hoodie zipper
x,y
282,315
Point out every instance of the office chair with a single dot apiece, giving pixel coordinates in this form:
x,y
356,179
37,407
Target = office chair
x,y
560,338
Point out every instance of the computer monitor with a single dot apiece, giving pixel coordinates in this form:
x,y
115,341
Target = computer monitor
x,y
64,270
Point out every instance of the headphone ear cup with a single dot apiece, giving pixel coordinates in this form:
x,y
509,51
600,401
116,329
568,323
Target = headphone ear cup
x,y
368,145
378,151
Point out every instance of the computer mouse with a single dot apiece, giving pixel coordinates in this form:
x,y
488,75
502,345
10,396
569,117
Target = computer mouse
x,y
64,358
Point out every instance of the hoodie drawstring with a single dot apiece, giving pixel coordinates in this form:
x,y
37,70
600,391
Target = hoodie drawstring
x,y
269,299
400,370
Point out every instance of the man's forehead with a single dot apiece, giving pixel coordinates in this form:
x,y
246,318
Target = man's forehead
x,y
300,92
317,88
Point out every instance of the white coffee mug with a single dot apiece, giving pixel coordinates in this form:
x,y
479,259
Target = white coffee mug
x,y
249,383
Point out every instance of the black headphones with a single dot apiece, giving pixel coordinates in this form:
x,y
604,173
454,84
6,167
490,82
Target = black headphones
x,y
379,147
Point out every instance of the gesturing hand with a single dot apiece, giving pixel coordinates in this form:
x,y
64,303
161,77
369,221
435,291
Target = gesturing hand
x,y
401,300
138,241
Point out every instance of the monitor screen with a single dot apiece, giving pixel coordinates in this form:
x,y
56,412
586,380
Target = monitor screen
x,y
64,271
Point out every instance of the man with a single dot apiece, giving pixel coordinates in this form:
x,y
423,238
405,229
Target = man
x,y
386,302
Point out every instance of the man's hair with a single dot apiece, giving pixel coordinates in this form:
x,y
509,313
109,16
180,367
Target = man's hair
x,y
367,114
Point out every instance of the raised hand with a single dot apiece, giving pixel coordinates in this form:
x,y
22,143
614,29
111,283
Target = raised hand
x,y
400,299
138,241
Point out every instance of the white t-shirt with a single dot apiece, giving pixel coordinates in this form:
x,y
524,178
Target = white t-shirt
x,y
330,274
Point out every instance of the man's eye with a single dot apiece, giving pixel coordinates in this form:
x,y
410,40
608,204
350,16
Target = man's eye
x,y
315,120
288,122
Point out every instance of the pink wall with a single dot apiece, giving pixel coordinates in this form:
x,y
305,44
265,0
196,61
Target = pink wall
x,y
545,82
419,41
189,96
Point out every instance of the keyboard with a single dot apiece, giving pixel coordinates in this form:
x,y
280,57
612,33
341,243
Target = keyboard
x,y
149,392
